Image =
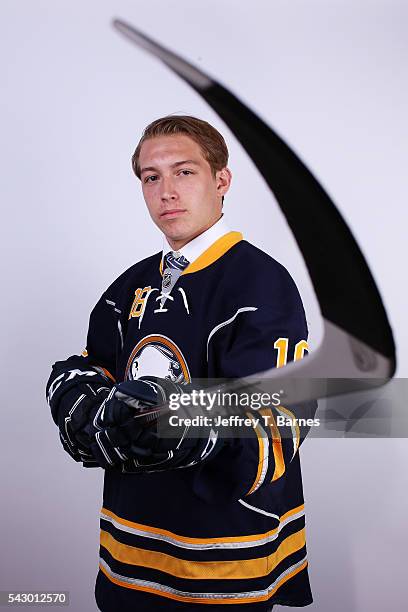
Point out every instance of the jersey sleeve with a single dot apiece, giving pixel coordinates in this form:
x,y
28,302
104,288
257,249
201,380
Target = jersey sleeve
x,y
261,333
104,336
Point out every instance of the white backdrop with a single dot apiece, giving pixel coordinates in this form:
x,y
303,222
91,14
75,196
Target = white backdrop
x,y
330,77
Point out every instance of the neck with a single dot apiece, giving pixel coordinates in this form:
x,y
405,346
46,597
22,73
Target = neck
x,y
176,245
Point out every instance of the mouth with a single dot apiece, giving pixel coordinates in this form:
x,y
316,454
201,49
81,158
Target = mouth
x,y
170,214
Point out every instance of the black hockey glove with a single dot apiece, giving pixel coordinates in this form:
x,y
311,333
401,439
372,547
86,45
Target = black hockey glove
x,y
75,391
146,439
124,419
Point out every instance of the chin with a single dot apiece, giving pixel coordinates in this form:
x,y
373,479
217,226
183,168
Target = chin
x,y
176,233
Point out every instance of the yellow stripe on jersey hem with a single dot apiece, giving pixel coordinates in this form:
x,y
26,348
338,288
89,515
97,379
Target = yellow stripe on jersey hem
x,y
179,540
214,252
203,570
203,598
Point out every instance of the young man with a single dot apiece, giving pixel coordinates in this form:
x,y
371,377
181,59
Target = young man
x,y
192,523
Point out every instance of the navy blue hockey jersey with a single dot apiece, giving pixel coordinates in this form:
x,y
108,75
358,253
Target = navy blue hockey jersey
x,y
229,531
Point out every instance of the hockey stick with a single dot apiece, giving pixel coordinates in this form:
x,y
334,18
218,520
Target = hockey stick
x,y
357,350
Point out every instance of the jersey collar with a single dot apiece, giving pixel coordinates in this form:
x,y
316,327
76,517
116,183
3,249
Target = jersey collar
x,y
205,248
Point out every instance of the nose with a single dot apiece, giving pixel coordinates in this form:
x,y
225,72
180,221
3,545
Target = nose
x,y
167,189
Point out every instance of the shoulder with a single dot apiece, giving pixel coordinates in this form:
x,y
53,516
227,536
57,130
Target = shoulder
x,y
253,269
138,273
257,284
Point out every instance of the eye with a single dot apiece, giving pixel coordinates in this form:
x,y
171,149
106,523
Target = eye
x,y
185,172
151,179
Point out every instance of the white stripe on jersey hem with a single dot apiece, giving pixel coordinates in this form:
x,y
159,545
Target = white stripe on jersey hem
x,y
228,321
210,545
166,589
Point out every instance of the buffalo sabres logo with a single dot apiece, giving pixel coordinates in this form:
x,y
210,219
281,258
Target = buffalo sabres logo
x,y
157,355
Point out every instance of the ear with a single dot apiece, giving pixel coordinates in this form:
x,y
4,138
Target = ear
x,y
223,179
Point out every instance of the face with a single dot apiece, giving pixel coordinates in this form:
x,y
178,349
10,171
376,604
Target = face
x,y
182,195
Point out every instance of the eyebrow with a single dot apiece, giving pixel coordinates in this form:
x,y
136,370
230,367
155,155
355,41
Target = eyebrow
x,y
175,165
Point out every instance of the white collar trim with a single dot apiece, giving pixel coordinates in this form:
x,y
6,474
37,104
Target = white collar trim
x,y
193,249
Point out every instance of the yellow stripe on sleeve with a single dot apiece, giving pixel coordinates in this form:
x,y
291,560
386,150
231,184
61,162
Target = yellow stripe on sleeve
x,y
295,426
262,466
276,445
